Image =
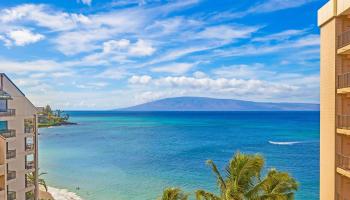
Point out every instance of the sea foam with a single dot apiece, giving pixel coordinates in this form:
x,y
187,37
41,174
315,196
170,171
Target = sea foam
x,y
285,143
63,194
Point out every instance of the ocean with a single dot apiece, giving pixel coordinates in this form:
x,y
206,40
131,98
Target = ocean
x,y
135,155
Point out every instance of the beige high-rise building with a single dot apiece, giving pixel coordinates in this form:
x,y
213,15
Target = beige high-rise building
x,y
334,22
18,144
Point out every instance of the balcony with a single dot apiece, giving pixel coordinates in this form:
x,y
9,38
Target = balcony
x,y
343,162
10,154
343,42
11,195
30,165
343,165
8,113
28,129
343,83
9,133
341,197
29,148
11,175
343,124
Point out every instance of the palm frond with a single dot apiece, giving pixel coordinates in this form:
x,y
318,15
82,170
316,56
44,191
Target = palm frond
x,y
203,195
220,179
173,194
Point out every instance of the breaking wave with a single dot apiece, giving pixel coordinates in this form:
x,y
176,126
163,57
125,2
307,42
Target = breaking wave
x,y
63,194
285,143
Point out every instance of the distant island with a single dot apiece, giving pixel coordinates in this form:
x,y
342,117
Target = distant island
x,y
47,117
212,104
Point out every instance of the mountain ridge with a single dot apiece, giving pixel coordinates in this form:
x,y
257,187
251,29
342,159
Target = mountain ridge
x,y
214,104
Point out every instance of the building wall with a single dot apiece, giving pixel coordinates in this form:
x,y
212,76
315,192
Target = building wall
x,y
24,110
328,110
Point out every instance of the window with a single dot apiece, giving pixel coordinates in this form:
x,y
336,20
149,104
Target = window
x,y
3,105
3,125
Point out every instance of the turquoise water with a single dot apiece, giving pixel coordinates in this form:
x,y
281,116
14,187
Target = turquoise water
x,y
133,156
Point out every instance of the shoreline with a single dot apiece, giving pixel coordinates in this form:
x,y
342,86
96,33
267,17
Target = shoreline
x,y
57,124
63,194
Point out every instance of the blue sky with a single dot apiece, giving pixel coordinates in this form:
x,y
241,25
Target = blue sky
x,y
89,54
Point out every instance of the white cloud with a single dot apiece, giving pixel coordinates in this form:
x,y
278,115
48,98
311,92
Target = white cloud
x,y
262,7
244,71
43,16
23,37
275,5
286,34
113,73
87,2
115,45
95,85
225,32
199,74
175,68
9,66
5,40
145,79
287,87
219,85
258,49
141,48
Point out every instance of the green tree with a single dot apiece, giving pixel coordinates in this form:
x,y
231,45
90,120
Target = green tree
x,y
173,194
243,181
41,181
48,109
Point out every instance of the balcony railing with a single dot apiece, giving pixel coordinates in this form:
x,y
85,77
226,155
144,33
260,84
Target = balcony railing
x,y
8,112
9,133
344,39
29,147
343,81
341,197
343,162
11,154
11,195
30,165
343,122
28,129
11,175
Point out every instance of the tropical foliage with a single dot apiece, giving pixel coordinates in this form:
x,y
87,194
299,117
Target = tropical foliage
x,y
243,181
48,117
173,194
41,181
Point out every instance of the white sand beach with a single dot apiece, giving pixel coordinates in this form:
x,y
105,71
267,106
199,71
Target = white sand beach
x,y
63,194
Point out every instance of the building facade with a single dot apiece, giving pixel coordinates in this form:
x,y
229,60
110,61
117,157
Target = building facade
x,y
18,144
334,23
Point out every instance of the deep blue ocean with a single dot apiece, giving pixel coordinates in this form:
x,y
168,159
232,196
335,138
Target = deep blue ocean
x,y
134,155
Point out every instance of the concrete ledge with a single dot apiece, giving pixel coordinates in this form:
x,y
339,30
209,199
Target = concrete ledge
x,y
343,172
343,7
326,13
343,131
343,90
344,50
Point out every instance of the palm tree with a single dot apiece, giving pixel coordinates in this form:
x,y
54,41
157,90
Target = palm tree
x,y
41,181
173,194
278,185
243,181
